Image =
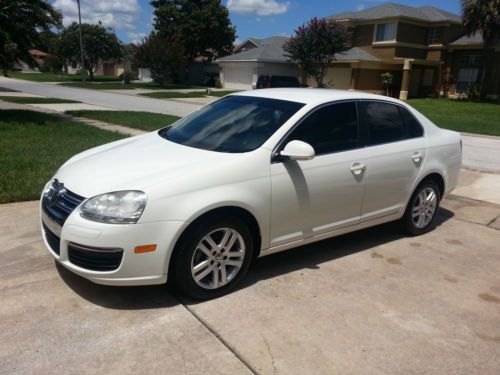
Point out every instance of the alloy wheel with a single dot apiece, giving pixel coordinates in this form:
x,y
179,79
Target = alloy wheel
x,y
218,258
424,207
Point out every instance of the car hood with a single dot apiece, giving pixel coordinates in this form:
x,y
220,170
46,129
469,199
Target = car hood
x,y
133,164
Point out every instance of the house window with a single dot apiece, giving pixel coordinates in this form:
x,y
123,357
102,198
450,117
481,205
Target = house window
x,y
471,59
385,31
433,36
466,78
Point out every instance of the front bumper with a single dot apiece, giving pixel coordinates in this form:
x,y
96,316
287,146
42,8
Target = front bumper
x,y
133,269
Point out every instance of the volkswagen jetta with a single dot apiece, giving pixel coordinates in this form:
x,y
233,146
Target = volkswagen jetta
x,y
249,175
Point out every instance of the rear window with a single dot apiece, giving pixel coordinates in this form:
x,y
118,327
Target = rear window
x,y
232,124
285,79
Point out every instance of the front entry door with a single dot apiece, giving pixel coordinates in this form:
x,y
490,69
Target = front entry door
x,y
315,196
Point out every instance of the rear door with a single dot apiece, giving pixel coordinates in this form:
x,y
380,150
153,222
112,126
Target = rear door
x,y
394,148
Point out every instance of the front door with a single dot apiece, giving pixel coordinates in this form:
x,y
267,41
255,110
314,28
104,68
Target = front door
x,y
316,196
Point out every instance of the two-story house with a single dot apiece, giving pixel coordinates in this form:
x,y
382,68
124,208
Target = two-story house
x,y
415,44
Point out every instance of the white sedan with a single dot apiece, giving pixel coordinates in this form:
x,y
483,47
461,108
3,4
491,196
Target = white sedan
x,y
249,175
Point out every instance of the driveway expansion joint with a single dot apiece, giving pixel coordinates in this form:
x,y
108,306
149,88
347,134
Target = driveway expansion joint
x,y
212,330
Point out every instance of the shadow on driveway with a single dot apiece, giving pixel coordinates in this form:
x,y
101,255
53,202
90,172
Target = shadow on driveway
x,y
118,297
304,257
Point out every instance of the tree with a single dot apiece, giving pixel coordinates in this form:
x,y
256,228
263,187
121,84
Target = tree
x,y
313,46
164,56
21,22
483,16
446,81
386,81
49,41
100,44
203,26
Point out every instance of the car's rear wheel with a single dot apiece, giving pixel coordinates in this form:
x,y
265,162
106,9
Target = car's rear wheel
x,y
422,208
213,257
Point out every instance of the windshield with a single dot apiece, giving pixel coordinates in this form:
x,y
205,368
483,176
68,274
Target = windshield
x,y
232,124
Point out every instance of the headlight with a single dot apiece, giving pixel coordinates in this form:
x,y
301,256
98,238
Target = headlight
x,y
119,207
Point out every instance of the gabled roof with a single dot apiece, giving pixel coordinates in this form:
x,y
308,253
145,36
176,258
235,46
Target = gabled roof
x,y
355,53
475,39
269,49
389,10
37,52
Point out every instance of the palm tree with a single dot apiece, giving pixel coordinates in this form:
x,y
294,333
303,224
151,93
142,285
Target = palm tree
x,y
483,16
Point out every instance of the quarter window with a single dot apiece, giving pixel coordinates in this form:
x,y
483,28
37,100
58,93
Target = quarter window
x,y
385,123
385,31
332,128
413,127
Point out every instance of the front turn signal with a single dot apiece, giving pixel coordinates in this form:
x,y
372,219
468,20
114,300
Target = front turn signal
x,y
144,248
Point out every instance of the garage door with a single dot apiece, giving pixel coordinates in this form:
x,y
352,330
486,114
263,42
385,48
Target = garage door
x,y
238,77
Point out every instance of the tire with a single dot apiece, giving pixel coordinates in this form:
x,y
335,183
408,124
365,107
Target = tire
x,y
419,218
203,274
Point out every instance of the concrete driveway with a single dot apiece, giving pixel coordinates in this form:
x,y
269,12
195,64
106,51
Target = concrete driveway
x,y
372,302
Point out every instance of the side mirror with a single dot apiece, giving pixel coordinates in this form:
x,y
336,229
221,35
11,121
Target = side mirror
x,y
298,150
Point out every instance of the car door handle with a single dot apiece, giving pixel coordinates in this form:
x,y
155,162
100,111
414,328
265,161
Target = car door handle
x,y
417,157
357,168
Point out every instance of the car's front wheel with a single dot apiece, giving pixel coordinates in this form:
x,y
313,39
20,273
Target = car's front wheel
x,y
422,208
213,257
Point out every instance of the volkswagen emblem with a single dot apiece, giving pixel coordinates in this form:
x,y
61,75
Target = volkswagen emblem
x,y
55,191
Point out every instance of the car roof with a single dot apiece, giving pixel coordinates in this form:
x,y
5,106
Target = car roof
x,y
312,95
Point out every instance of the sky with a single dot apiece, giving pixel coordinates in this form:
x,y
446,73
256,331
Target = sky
x,y
133,19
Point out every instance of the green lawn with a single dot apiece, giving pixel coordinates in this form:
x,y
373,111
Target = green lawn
x,y
122,86
138,120
470,117
53,77
35,100
34,145
5,89
191,94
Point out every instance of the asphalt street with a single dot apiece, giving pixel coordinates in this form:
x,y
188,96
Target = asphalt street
x,y
101,98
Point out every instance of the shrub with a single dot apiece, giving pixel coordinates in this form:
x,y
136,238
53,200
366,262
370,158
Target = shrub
x,y
473,92
51,64
127,77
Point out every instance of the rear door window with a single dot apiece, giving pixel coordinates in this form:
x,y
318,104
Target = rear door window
x,y
385,123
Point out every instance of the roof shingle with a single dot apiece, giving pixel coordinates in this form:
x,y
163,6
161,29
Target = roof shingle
x,y
269,49
466,40
387,10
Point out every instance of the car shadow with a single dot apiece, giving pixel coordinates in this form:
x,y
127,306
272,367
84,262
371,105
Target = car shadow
x,y
119,297
305,257
313,255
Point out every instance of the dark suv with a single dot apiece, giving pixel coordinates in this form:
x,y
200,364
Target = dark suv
x,y
268,81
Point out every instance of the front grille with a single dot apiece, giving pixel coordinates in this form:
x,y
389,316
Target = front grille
x,y
52,239
95,259
63,205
